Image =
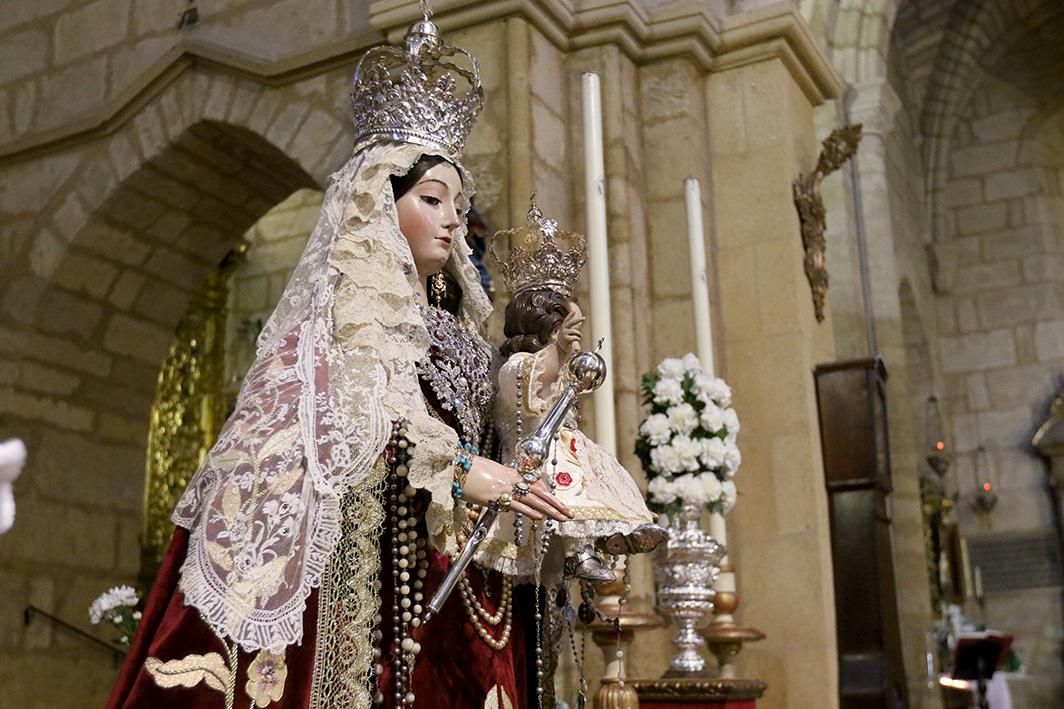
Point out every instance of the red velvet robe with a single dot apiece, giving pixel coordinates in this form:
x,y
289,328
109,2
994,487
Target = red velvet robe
x,y
455,667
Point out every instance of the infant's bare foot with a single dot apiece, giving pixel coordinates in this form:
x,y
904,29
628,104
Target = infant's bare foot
x,y
642,539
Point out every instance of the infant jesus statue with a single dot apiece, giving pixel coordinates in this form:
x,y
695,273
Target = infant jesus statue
x,y
543,331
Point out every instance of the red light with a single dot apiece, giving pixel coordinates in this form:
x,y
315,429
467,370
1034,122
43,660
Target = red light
x,y
940,446
987,487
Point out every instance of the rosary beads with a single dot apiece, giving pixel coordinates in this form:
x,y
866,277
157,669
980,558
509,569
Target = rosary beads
x,y
409,569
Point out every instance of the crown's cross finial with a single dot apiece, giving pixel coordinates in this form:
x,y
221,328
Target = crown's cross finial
x,y
548,227
423,34
534,213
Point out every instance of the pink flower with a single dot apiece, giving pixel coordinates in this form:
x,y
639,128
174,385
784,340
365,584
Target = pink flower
x,y
564,479
266,676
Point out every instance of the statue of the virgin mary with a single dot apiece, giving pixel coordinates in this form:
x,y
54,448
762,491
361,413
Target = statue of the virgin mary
x,y
324,515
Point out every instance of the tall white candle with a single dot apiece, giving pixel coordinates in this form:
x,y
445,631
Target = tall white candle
x,y
696,246
598,256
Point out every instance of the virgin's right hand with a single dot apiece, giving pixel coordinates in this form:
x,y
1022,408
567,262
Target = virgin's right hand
x,y
488,480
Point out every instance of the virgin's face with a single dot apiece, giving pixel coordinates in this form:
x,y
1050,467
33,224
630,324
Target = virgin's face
x,y
429,216
569,331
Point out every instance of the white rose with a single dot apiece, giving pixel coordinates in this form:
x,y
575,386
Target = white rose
x,y
731,421
688,451
714,451
720,392
668,391
671,368
682,418
712,418
732,460
710,388
656,429
689,489
662,490
691,364
702,385
665,459
711,486
730,493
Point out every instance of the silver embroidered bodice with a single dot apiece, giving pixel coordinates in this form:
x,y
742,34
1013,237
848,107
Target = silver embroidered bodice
x,y
458,370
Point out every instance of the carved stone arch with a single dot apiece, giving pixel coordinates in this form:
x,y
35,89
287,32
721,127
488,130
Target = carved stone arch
x,y
232,122
161,228
101,313
977,36
303,120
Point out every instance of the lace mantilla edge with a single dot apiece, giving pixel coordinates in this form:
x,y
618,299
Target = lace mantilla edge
x,y
263,526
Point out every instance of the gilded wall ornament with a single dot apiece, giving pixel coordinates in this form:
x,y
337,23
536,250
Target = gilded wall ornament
x,y
838,147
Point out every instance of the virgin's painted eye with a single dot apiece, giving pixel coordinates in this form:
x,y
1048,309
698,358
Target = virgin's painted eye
x,y
430,200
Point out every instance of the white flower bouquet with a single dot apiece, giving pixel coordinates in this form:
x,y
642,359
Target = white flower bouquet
x,y
118,607
687,442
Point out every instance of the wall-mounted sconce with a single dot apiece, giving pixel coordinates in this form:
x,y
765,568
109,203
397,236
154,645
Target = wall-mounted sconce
x,y
937,455
984,499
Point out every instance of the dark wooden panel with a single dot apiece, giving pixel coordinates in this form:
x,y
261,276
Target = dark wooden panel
x,y
851,399
853,542
853,432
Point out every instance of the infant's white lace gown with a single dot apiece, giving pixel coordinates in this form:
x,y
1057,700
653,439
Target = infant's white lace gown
x,y
602,495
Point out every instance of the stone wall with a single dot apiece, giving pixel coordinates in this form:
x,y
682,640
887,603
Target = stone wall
x,y
66,60
1000,317
1002,339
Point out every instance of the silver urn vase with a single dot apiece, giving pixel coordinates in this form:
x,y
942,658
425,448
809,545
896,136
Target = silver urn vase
x,y
684,571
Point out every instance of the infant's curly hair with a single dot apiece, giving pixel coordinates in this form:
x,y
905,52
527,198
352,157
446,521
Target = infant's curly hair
x,y
531,318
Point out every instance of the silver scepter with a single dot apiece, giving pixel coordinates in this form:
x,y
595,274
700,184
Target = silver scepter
x,y
588,371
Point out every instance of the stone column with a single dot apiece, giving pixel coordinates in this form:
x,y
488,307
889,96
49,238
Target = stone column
x,y
890,219
761,136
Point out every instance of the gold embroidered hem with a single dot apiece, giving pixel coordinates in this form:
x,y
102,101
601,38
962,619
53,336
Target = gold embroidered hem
x,y
348,602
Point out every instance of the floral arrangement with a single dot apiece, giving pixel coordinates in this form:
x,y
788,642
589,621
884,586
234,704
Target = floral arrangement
x,y
687,442
118,607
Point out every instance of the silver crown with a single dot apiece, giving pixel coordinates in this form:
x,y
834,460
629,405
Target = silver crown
x,y
411,93
541,255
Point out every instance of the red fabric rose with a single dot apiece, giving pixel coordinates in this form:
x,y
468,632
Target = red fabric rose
x,y
564,479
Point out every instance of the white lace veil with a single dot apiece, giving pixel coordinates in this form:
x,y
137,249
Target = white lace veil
x,y
335,366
